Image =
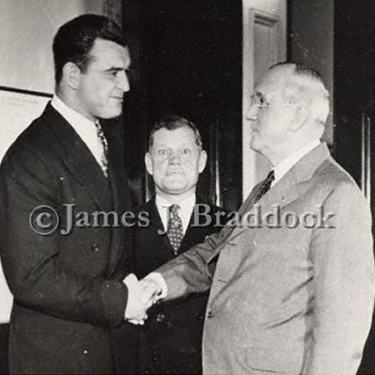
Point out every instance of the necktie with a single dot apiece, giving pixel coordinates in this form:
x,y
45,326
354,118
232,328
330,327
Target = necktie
x,y
265,186
104,143
175,231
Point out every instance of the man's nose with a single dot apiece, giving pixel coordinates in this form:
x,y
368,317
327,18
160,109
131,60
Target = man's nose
x,y
175,158
252,114
123,81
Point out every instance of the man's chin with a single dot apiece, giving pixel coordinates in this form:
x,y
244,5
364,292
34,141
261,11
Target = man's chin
x,y
253,146
114,113
176,189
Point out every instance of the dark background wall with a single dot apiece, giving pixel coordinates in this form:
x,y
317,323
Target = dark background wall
x,y
191,65
311,41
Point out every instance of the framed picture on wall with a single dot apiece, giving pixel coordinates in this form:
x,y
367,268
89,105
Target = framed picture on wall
x,y
17,109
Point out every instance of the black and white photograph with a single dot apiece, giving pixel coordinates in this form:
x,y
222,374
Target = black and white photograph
x,y
186,187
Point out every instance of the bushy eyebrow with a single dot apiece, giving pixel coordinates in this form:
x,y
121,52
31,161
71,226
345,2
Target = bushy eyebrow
x,y
164,145
115,69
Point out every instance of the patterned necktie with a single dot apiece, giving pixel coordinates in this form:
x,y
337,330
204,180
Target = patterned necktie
x,y
175,231
104,143
265,186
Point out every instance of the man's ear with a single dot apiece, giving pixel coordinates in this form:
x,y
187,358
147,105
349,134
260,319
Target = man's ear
x,y
148,163
301,117
202,161
71,75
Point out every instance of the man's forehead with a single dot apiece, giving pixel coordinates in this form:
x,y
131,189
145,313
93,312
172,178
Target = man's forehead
x,y
165,133
173,137
106,51
273,81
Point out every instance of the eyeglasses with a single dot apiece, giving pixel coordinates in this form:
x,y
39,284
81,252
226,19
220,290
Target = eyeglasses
x,y
261,103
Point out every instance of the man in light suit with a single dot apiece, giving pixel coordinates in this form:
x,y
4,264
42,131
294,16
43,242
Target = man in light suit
x,y
295,295
67,279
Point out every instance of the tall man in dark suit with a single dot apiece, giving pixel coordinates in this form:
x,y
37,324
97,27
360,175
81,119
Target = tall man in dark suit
x,y
171,340
291,293
64,262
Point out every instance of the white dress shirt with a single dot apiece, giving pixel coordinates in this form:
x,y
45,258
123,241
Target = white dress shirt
x,y
185,211
84,127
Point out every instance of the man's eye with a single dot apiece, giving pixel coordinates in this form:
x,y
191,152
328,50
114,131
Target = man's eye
x,y
163,152
112,73
262,101
186,151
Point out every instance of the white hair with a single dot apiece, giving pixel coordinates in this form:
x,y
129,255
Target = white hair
x,y
305,85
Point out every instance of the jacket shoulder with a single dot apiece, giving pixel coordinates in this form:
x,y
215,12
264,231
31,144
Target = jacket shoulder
x,y
36,139
332,175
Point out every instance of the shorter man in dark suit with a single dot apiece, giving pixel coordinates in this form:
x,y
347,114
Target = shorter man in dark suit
x,y
170,341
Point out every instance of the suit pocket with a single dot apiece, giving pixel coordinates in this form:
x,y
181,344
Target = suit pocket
x,y
273,360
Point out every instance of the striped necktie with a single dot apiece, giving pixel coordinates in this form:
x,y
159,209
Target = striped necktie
x,y
265,186
104,152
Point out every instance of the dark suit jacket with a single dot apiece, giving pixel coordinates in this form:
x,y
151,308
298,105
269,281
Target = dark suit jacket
x,y
171,340
4,343
67,289
287,299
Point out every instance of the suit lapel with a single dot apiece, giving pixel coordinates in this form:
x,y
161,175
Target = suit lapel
x,y
192,232
121,201
287,189
189,236
117,176
79,159
284,192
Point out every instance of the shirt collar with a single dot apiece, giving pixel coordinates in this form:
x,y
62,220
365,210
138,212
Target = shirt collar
x,y
185,211
84,127
74,118
282,168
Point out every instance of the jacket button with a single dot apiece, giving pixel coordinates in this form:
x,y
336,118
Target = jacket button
x,y
160,317
95,248
209,314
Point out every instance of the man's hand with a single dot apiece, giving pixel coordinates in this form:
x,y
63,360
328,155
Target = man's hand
x,y
151,291
138,303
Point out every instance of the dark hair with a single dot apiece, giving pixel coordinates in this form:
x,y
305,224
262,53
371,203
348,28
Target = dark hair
x,y
75,39
173,122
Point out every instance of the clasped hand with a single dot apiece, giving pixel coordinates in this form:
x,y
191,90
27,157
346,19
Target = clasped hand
x,y
141,296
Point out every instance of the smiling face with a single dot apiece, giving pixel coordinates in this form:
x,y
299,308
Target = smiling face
x,y
100,88
175,161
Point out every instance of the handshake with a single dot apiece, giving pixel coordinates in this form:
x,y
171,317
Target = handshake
x,y
142,294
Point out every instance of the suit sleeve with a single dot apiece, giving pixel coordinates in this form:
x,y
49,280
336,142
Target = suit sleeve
x,y
33,263
343,284
191,272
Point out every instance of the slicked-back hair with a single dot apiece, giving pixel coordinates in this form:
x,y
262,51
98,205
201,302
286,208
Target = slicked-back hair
x,y
75,39
173,122
306,85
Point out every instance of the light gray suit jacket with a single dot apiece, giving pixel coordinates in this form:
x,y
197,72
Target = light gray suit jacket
x,y
292,299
